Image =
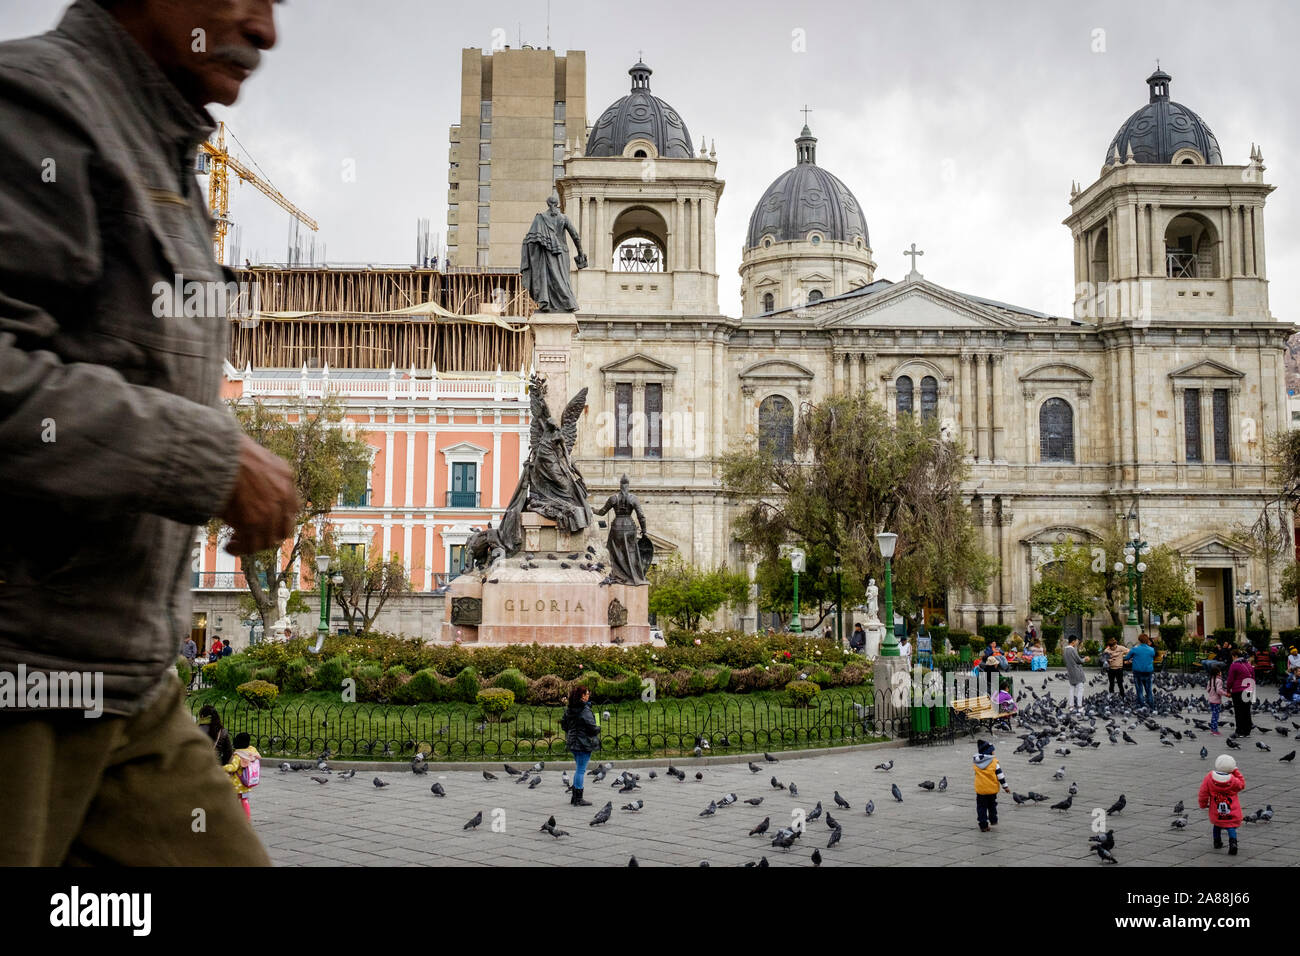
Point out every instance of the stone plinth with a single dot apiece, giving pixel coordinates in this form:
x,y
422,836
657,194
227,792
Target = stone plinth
x,y
875,634
547,605
543,536
887,693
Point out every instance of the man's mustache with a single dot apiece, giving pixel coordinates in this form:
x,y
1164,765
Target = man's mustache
x,y
248,57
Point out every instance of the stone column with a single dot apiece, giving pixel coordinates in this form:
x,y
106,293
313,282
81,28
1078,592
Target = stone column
x,y
981,407
552,343
1006,518
837,372
997,434
966,405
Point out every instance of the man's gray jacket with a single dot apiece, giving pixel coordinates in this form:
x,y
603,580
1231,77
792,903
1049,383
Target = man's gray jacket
x,y
113,441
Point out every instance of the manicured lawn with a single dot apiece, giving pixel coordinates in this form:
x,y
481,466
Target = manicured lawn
x,y
300,725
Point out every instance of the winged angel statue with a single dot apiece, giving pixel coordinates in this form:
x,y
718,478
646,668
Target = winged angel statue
x,y
550,483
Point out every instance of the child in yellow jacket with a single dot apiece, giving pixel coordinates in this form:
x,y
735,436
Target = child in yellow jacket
x,y
245,756
988,780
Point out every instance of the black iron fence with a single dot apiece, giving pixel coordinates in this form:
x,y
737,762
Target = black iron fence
x,y
657,728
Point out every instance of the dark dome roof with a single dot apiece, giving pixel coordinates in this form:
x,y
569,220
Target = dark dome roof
x,y
640,115
804,199
1162,128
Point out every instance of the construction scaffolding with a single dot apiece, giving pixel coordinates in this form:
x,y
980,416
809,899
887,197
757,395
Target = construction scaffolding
x,y
379,317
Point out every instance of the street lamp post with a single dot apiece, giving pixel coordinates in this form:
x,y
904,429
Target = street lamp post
x,y
1247,599
887,541
839,603
323,580
797,557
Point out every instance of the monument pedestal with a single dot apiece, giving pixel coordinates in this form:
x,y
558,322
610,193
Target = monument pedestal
x,y
890,687
875,634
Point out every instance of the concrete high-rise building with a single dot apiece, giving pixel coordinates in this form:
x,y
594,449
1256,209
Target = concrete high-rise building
x,y
520,110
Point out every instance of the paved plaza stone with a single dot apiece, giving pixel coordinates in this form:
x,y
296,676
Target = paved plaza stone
x,y
354,823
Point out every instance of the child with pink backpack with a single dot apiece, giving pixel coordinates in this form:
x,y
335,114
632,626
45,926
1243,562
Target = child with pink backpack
x,y
245,769
1215,690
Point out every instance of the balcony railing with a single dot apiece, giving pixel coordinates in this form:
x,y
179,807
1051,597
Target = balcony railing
x,y
315,383
1180,265
355,501
218,580
463,499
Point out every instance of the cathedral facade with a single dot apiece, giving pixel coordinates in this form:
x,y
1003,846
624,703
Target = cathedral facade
x,y
1153,401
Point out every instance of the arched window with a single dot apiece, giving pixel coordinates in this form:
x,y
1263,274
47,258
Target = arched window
x,y
904,389
1056,431
776,427
769,302
929,398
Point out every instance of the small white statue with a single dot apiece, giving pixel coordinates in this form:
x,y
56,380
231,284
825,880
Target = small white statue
x,y
282,602
873,606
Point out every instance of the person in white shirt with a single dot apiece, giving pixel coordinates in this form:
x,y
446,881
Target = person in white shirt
x,y
905,649
1293,661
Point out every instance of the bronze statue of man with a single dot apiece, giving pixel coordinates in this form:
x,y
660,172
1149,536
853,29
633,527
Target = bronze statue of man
x,y
625,556
544,259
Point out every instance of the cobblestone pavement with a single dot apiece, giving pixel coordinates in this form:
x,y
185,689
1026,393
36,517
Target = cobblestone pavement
x,y
355,823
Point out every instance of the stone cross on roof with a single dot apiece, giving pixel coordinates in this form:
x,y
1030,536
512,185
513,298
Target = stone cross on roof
x,y
913,252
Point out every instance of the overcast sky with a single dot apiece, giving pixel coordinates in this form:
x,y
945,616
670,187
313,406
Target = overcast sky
x,y
959,126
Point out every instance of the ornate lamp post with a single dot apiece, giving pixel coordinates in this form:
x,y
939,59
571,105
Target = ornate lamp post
x,y
324,579
887,541
839,601
797,558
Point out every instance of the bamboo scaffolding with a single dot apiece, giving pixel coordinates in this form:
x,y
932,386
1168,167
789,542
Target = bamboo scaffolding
x,y
361,339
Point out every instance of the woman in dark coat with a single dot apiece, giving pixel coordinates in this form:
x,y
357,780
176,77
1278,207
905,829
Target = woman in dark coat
x,y
210,721
582,736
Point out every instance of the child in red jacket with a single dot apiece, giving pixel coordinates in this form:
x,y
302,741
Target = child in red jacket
x,y
1218,794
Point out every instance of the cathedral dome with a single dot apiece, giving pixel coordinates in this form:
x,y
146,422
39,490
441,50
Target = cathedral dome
x,y
805,202
640,115
1161,130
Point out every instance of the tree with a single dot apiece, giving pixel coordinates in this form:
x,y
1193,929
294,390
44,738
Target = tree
x,y
687,595
858,470
365,584
326,460
1067,584
817,585
1166,589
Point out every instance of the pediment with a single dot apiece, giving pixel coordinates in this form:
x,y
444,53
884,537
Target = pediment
x,y
1059,534
639,363
767,282
1056,373
1206,368
463,450
1213,546
815,277
776,370
916,305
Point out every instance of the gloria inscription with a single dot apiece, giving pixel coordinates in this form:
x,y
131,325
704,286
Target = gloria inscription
x,y
541,606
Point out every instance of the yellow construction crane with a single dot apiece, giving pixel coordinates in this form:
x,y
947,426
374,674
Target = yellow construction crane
x,y
219,164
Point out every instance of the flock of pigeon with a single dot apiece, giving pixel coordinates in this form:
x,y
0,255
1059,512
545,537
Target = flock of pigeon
x,y
1045,724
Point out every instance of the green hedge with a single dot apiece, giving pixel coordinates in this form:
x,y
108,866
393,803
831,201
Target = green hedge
x,y
1172,635
1221,634
261,694
184,671
1112,630
1260,637
466,685
495,701
959,639
1051,635
802,692
994,632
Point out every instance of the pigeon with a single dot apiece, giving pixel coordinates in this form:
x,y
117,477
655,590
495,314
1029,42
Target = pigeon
x,y
380,783
710,810
817,858
1037,758
536,781
1267,814
634,806
631,860
602,815
1106,841
1119,805
886,766
524,777
1064,804
943,783
437,790
794,791
320,779
699,775
474,821
1178,808
754,768
1204,753
926,784
1127,738
1179,823
1020,798
553,831
285,768
816,812
653,775
754,801
762,827
842,803
1060,774
1074,789
769,758
538,767
489,775
1166,743
835,837
348,774
1105,855
898,794
831,822
1259,744
1036,797
1289,758
511,770
784,839
777,784
871,807
1233,744
728,800
548,824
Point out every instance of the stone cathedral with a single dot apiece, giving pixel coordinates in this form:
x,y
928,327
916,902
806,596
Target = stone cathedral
x,y
1155,398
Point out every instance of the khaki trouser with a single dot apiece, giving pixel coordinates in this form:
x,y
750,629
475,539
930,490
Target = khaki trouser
x,y
134,791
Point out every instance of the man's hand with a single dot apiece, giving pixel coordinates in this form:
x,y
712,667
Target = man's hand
x,y
262,508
